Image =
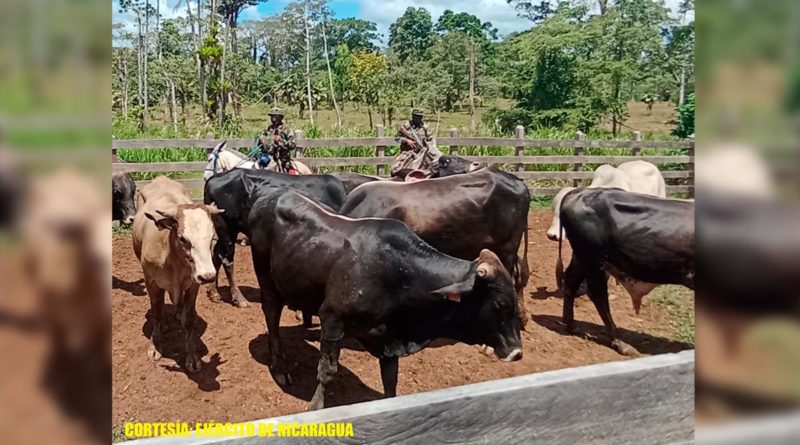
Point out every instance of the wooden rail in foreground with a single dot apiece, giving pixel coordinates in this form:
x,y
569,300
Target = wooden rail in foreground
x,y
642,401
516,163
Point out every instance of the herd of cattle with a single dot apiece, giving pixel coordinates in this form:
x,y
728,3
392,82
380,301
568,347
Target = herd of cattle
x,y
396,265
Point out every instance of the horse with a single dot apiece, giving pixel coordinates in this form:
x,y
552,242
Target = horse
x,y
220,160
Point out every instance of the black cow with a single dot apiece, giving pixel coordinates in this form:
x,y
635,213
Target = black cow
x,y
446,165
237,190
375,280
459,215
642,240
352,180
123,190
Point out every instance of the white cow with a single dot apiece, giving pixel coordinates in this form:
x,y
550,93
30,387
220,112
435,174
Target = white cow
x,y
634,176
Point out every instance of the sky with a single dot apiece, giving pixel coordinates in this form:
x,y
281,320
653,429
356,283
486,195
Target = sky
x,y
382,12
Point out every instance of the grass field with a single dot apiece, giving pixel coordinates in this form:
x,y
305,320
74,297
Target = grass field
x,y
655,125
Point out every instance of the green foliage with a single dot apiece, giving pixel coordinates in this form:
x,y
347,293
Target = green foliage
x,y
412,34
685,114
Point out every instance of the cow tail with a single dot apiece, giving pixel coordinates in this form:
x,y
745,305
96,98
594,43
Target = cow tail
x,y
524,272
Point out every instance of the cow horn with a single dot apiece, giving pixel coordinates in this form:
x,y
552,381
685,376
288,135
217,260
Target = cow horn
x,y
485,270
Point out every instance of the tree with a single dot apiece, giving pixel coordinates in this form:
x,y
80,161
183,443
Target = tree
x,y
478,35
412,34
355,34
366,75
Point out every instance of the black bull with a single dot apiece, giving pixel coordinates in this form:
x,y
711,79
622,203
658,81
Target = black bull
x,y
459,215
634,237
374,280
237,190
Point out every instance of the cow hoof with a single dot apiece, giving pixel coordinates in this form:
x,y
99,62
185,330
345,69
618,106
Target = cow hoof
x,y
153,354
624,348
193,365
240,302
213,295
569,327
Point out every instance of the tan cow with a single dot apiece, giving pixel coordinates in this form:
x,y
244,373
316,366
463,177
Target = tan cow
x,y
172,238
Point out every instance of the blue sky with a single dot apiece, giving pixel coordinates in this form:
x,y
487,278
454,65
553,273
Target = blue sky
x,y
382,12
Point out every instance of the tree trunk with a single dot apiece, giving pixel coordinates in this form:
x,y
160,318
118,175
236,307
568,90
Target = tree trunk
x,y
682,94
146,116
196,42
222,90
369,112
308,67
472,89
139,73
330,78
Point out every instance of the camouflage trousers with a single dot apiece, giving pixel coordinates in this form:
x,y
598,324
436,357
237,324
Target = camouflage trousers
x,y
412,160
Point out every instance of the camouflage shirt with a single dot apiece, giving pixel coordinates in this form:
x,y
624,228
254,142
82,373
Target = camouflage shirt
x,y
284,132
422,133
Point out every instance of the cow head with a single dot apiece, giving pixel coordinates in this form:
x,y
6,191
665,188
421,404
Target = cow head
x,y
488,294
554,233
191,235
123,190
448,165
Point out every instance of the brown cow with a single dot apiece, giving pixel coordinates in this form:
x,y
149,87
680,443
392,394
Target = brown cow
x,y
172,238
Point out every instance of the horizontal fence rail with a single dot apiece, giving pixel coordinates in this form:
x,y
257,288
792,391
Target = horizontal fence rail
x,y
306,152
642,401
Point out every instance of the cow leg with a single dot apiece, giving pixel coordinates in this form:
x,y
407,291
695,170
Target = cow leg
x,y
218,254
156,309
573,277
188,315
272,306
597,286
236,295
332,331
389,367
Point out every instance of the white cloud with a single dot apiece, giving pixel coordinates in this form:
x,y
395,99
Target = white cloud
x,y
498,12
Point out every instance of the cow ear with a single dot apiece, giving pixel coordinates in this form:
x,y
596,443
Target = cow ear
x,y
162,220
488,263
454,291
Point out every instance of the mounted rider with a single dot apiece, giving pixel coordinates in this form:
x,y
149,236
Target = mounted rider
x,y
417,147
277,143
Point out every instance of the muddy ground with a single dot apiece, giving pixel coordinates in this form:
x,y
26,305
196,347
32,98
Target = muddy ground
x,y
235,384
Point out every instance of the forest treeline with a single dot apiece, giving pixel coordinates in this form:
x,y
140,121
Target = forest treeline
x,y
579,64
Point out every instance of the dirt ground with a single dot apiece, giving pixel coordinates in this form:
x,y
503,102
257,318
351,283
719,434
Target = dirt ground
x,y
235,384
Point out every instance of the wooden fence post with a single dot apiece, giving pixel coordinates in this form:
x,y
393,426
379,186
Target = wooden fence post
x,y
520,149
298,136
380,150
454,148
636,147
209,136
579,151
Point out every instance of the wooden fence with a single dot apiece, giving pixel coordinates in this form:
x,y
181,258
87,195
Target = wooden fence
x,y
643,401
517,162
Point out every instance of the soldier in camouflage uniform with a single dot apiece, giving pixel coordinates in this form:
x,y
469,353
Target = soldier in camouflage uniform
x,y
278,142
417,150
